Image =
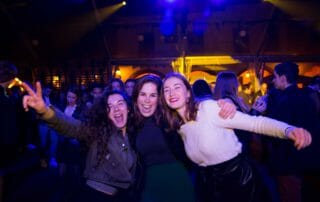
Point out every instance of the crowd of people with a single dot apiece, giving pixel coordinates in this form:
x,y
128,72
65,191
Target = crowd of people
x,y
161,140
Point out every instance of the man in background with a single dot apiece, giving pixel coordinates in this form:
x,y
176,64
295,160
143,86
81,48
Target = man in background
x,y
8,116
289,165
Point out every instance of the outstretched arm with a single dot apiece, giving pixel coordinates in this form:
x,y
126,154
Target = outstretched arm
x,y
54,118
34,99
257,124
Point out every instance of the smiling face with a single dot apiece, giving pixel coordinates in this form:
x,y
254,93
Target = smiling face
x,y
176,94
147,100
118,110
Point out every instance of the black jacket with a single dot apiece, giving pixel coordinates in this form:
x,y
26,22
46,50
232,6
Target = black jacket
x,y
293,106
113,170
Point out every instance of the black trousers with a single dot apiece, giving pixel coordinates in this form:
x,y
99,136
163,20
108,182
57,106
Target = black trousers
x,y
229,181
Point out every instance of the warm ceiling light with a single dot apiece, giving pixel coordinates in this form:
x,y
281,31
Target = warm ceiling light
x,y
118,72
124,3
15,82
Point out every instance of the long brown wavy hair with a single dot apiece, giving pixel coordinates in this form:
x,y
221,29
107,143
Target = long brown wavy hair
x,y
99,126
171,116
138,117
227,87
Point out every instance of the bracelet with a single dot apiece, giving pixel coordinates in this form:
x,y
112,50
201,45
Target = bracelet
x,y
288,130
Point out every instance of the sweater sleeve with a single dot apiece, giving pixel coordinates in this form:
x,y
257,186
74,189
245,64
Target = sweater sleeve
x,y
63,124
209,111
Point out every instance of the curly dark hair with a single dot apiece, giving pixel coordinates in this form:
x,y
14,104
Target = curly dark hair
x,y
99,125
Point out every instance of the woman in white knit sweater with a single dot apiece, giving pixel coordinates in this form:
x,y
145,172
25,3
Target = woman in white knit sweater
x,y
210,141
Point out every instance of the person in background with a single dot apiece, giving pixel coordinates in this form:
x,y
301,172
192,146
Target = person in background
x,y
201,89
246,94
129,86
313,90
115,84
9,130
262,92
18,151
110,162
96,93
290,166
212,86
227,88
211,143
48,136
71,152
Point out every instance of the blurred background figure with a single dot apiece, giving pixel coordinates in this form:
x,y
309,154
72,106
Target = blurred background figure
x,y
313,90
48,136
201,89
18,154
115,84
212,86
8,116
129,86
296,172
227,88
71,152
96,92
247,94
262,92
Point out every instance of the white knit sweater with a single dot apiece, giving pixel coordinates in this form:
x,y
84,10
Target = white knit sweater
x,y
210,140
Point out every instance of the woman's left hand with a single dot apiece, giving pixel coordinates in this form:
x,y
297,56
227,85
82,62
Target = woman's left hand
x,y
301,137
228,109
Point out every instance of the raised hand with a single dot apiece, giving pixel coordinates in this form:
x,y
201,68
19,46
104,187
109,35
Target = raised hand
x,y
301,137
228,109
260,104
34,99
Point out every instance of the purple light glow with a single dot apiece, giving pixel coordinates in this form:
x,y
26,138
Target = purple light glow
x,y
170,1
207,12
217,2
167,27
199,28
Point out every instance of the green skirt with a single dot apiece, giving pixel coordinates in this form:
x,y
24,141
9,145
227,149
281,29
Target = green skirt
x,y
168,183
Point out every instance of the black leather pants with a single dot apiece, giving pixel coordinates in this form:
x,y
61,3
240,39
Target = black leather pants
x,y
230,181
